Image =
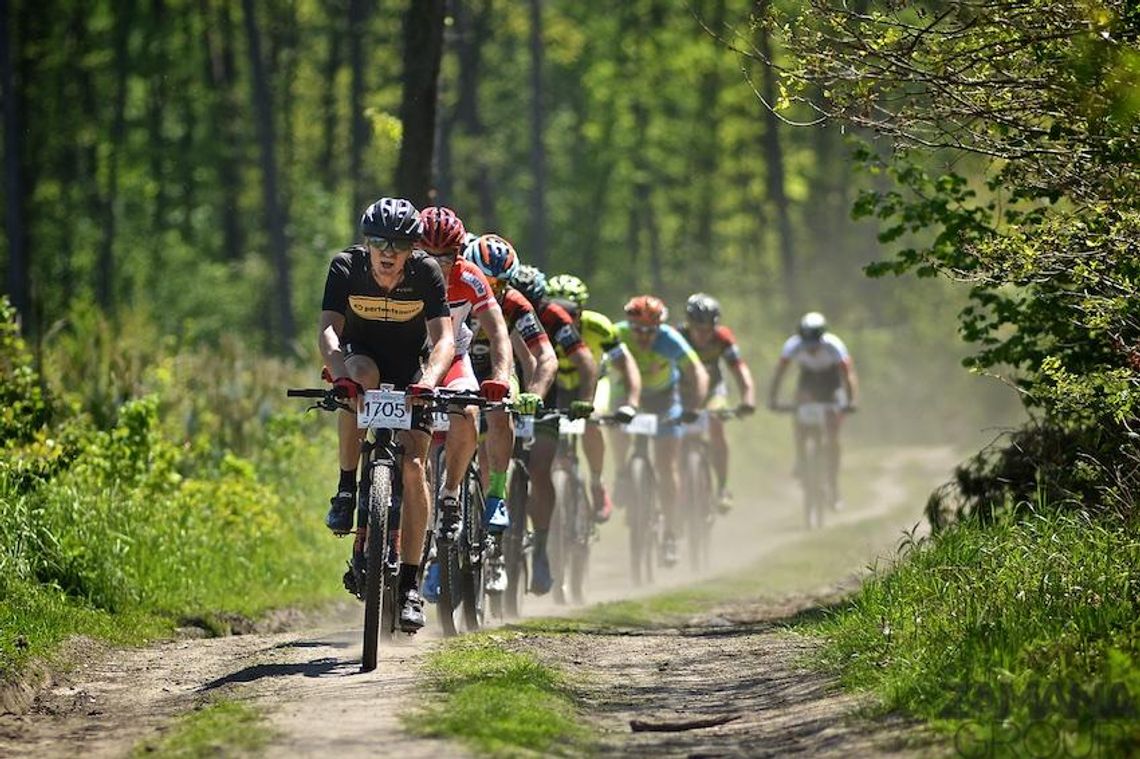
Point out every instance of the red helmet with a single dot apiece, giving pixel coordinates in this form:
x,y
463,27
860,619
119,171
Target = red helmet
x,y
647,310
443,229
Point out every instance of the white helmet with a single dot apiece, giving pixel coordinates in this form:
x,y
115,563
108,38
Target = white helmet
x,y
812,326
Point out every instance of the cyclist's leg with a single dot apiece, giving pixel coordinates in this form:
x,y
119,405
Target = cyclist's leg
x,y
834,420
540,505
718,444
462,438
666,448
413,520
363,369
594,446
500,444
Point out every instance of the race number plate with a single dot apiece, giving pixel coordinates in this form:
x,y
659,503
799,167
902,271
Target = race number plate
x,y
524,427
571,427
812,414
642,424
384,409
440,421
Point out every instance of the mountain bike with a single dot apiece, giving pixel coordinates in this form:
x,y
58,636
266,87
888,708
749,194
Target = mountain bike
x,y
572,528
373,573
697,492
814,470
639,482
463,562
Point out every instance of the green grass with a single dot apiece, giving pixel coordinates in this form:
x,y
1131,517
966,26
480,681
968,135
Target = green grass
x,y
498,701
219,728
137,535
1022,637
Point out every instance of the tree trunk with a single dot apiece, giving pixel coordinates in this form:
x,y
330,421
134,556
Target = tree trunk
x,y
357,23
329,164
423,49
473,29
220,43
275,217
536,248
774,158
14,192
707,151
106,276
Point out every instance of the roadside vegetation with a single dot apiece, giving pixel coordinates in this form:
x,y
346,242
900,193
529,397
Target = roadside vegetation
x,y
1018,638
124,514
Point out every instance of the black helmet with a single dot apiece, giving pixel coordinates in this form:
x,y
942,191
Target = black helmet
x,y
393,219
812,326
702,309
531,282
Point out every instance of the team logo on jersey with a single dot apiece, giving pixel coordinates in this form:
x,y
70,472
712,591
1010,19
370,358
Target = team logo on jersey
x,y
565,334
385,309
476,283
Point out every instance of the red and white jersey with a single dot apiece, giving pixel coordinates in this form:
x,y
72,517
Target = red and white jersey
x,y
468,294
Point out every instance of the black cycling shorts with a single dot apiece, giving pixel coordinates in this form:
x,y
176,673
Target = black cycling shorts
x,y
395,370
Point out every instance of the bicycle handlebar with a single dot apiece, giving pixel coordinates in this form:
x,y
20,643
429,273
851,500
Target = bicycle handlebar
x,y
332,398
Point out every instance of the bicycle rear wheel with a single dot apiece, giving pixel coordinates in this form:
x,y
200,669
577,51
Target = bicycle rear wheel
x,y
579,544
813,475
698,505
642,537
559,543
447,554
379,502
515,541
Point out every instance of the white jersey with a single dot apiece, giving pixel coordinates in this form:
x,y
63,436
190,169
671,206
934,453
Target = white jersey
x,y
829,353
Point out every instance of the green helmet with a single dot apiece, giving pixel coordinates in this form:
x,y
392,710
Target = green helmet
x,y
568,287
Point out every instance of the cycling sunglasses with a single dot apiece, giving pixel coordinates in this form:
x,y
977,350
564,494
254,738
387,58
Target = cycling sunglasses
x,y
644,329
446,255
383,244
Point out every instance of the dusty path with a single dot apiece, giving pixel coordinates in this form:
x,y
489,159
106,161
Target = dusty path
x,y
308,684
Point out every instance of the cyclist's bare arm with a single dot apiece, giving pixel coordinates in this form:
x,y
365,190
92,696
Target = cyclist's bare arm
x,y
545,367
850,381
694,383
625,364
777,378
744,382
587,368
332,327
491,321
442,335
525,358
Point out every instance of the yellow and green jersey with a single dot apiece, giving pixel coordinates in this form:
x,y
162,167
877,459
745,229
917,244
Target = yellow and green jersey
x,y
600,337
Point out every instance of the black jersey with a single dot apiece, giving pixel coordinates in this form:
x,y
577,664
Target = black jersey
x,y
381,322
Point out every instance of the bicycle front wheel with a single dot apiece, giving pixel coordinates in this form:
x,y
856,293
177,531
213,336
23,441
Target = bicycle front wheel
x,y
515,541
379,503
473,553
642,527
698,505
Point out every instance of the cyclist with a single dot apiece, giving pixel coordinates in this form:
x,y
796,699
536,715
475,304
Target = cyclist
x,y
568,343
827,375
715,342
602,339
382,303
498,261
468,293
673,385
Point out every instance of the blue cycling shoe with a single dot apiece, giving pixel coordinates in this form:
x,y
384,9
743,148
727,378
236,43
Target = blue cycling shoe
x,y
495,514
541,580
430,589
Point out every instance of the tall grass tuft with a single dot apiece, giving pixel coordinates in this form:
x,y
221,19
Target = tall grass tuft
x,y
1024,631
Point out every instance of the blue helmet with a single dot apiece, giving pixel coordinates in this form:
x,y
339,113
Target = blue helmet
x,y
494,256
531,282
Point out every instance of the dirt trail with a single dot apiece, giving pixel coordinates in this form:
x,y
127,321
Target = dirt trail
x,y
735,661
